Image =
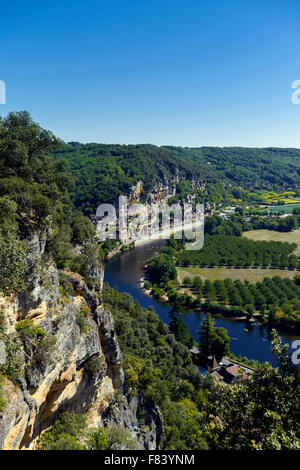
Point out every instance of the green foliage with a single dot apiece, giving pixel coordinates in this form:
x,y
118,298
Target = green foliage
x,y
65,433
240,222
2,401
37,345
269,168
27,328
159,366
65,442
245,361
180,329
213,341
69,432
87,262
13,267
116,437
27,175
65,284
228,250
98,439
13,368
103,172
94,365
81,320
276,298
32,189
82,229
34,193
161,268
260,413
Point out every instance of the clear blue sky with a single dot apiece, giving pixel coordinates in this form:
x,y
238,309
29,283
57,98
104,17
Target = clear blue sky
x,y
188,73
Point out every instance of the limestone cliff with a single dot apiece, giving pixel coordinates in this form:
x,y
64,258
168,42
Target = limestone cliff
x,y
75,367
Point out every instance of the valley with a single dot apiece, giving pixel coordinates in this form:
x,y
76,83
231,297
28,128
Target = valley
x,y
104,344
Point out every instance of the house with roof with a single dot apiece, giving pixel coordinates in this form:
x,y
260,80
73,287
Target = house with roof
x,y
225,371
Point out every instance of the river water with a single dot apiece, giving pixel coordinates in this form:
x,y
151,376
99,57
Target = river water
x,y
124,273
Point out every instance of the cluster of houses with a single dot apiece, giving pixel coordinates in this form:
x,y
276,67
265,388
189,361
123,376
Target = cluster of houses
x,y
227,213
227,372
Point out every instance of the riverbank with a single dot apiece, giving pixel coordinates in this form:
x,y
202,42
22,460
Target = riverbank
x,y
124,272
119,249
234,313
167,233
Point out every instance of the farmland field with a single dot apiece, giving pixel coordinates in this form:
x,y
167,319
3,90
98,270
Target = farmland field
x,y
287,208
250,274
270,235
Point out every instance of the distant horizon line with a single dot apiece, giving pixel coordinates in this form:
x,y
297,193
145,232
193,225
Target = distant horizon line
x,y
182,146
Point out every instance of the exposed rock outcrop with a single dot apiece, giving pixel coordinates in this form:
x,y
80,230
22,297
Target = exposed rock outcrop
x,y
56,374
145,422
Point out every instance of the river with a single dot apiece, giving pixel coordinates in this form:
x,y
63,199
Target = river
x,y
124,273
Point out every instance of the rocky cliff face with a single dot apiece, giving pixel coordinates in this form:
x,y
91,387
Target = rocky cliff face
x,y
75,367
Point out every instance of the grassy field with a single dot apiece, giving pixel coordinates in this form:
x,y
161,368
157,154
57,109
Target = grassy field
x,y
287,208
271,197
270,235
251,274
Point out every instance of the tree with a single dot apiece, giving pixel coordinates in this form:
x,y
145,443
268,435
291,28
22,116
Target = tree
x,y
180,329
161,268
13,267
116,437
205,335
212,340
261,412
220,342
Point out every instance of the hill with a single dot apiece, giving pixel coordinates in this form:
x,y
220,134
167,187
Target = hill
x,y
104,171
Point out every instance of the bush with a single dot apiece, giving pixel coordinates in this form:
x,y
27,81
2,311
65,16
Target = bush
x,y
66,284
94,365
27,328
81,320
13,367
38,346
116,438
65,433
2,401
13,263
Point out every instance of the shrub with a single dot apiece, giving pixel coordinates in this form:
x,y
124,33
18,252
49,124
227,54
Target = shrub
x,y
94,365
13,367
2,402
65,284
27,328
13,263
116,437
81,320
64,434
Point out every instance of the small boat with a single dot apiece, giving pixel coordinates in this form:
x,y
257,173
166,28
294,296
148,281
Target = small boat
x,y
245,329
234,339
265,340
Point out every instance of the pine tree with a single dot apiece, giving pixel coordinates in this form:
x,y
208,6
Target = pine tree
x,y
213,341
205,335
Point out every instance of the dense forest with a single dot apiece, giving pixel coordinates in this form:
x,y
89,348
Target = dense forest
x,y
247,167
104,171
35,194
